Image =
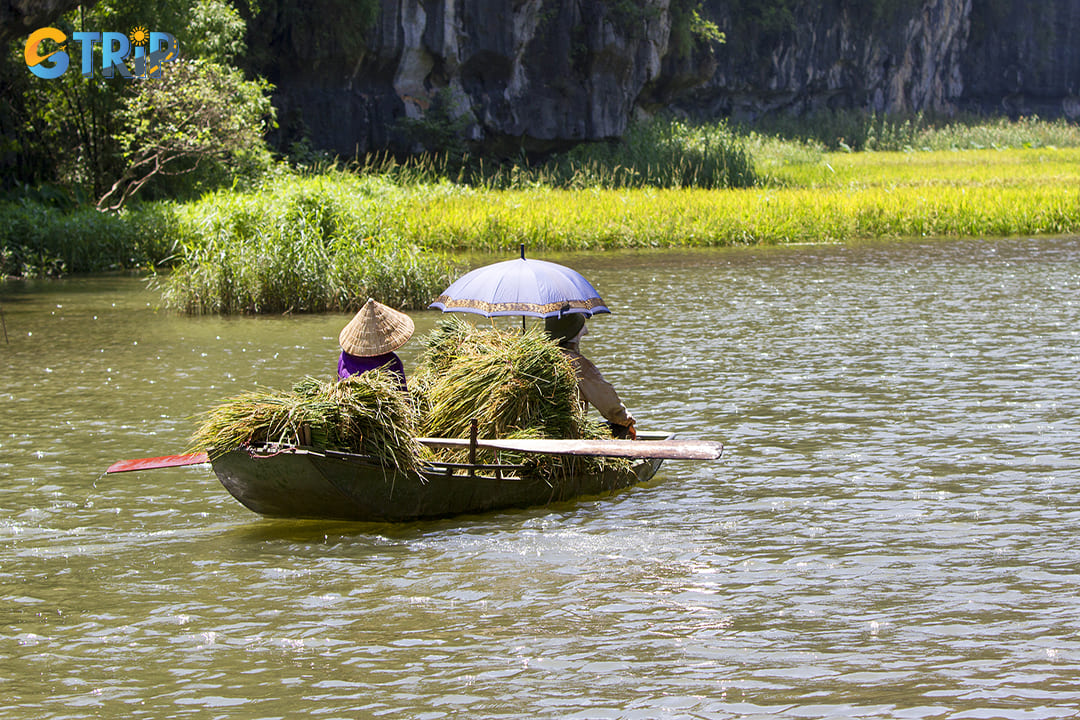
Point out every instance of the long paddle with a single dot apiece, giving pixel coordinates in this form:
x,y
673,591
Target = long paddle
x,y
643,449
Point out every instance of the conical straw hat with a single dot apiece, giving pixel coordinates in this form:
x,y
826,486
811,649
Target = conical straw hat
x,y
375,330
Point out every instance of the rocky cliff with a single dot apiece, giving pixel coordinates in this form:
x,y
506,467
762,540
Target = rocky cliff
x,y
1023,58
836,55
537,75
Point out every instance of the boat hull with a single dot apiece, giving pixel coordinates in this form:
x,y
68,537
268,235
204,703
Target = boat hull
x,y
297,482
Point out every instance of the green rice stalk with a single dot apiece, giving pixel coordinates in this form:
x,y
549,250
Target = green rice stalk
x,y
509,382
515,385
365,414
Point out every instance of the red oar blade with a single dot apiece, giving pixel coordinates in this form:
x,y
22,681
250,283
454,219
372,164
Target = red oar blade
x,y
158,462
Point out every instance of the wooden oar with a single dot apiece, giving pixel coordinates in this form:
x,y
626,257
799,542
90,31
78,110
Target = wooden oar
x,y
158,462
644,449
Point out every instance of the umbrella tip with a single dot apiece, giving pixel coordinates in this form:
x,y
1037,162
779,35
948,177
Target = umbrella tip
x,y
522,251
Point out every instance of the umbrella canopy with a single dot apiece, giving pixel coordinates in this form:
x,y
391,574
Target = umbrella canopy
x,y
521,287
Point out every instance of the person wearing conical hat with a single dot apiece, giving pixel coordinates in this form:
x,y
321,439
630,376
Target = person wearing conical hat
x,y
567,329
369,340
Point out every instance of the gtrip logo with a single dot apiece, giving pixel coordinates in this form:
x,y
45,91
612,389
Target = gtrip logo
x,y
146,52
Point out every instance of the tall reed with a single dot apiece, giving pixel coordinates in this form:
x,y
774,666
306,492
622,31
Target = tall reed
x,y
311,244
660,153
39,240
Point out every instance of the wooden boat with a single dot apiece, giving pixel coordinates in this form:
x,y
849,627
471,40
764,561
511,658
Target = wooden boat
x,y
307,482
304,482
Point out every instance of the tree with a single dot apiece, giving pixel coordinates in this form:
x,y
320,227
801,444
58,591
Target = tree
x,y
198,114
91,136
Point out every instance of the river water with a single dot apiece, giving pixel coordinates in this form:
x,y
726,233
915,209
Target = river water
x,y
892,532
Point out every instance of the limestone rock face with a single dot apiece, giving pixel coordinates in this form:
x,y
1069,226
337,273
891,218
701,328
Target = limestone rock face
x,y
520,74
541,71
538,75
837,55
1024,59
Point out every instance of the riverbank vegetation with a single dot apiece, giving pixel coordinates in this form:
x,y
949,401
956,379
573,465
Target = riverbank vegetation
x,y
299,244
323,235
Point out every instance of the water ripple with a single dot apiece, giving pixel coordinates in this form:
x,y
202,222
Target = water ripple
x,y
891,533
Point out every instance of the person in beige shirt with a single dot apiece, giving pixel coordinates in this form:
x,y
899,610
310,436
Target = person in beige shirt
x,y
568,330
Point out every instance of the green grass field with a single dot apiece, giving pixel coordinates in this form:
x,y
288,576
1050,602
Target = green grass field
x,y
831,197
315,241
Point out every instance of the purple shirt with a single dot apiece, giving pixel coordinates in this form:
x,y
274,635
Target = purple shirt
x,y
354,365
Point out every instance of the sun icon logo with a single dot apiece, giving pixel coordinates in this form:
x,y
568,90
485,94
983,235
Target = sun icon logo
x,y
139,36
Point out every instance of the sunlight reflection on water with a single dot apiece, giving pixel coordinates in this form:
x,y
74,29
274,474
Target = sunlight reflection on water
x,y
891,532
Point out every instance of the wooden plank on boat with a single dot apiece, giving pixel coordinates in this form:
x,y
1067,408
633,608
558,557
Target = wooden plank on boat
x,y
673,449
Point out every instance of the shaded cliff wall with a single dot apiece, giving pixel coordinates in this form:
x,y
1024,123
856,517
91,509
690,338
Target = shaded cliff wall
x,y
1023,58
901,58
533,74
539,75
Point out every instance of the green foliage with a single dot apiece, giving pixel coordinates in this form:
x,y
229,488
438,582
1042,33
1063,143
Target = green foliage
x,y
314,244
214,32
41,240
199,117
703,28
71,121
690,28
71,130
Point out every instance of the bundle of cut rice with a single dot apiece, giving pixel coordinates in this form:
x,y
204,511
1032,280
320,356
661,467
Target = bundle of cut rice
x,y
512,383
365,414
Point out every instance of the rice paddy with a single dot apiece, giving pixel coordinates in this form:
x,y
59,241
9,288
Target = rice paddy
x,y
812,198
835,197
325,241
